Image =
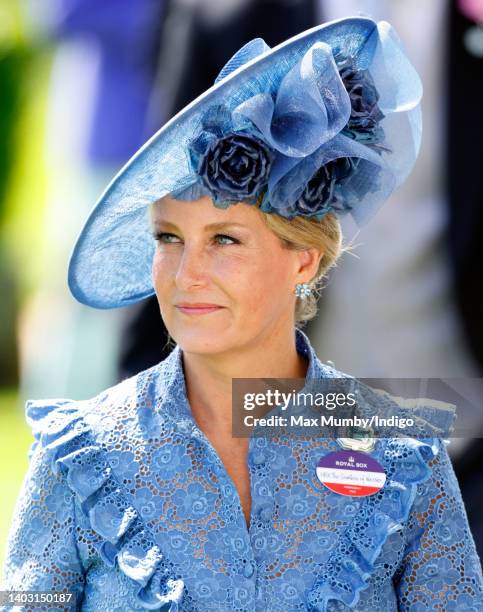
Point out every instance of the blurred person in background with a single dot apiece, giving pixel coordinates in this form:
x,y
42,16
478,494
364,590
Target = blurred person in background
x,y
16,57
419,311
102,75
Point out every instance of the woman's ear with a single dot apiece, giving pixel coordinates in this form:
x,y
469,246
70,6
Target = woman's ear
x,y
308,264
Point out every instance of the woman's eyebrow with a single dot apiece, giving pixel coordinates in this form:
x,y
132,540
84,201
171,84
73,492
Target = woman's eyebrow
x,y
223,224
161,222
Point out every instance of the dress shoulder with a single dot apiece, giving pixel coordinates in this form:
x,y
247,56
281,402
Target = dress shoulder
x,y
83,443
55,421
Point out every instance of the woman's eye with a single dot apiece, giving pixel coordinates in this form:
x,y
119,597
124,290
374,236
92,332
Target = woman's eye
x,y
166,238
224,239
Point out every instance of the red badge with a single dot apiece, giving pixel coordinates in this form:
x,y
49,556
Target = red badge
x,y
350,473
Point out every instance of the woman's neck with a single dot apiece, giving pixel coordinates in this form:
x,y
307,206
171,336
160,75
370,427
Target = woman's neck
x,y
209,377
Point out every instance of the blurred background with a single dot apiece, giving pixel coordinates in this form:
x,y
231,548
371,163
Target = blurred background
x,y
83,84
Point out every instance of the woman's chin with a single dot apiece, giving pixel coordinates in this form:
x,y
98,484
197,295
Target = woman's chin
x,y
203,340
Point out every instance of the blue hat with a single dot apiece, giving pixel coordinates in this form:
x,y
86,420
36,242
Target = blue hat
x,y
328,121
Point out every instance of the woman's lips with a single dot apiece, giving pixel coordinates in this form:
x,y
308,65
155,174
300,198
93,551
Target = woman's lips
x,y
198,309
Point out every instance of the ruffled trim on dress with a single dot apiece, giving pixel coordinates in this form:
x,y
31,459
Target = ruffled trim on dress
x,y
60,427
349,568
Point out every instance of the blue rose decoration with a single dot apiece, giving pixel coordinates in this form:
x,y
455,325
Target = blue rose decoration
x,y
322,192
236,167
363,124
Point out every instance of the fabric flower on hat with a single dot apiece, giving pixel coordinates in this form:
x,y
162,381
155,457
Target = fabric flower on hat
x,y
335,177
232,164
233,152
323,95
322,192
364,122
357,169
312,143
236,167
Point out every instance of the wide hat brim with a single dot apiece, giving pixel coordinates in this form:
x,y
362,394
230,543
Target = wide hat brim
x,y
110,265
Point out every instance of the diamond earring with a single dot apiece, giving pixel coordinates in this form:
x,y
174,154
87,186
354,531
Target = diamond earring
x,y
303,290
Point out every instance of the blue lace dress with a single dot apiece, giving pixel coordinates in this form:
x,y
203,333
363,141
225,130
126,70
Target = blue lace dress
x,y
127,504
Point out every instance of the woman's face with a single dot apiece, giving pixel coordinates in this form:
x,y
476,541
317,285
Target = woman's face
x,y
222,278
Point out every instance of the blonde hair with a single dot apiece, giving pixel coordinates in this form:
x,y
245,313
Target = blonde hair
x,y
302,233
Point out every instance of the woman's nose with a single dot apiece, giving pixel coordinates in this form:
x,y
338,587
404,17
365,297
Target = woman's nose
x,y
192,268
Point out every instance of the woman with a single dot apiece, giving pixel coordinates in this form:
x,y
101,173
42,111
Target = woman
x,y
140,498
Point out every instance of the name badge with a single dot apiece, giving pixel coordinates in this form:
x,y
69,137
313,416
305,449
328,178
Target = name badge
x,y
351,473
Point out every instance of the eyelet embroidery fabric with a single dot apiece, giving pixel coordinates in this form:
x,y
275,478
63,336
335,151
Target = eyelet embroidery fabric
x,y
127,504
